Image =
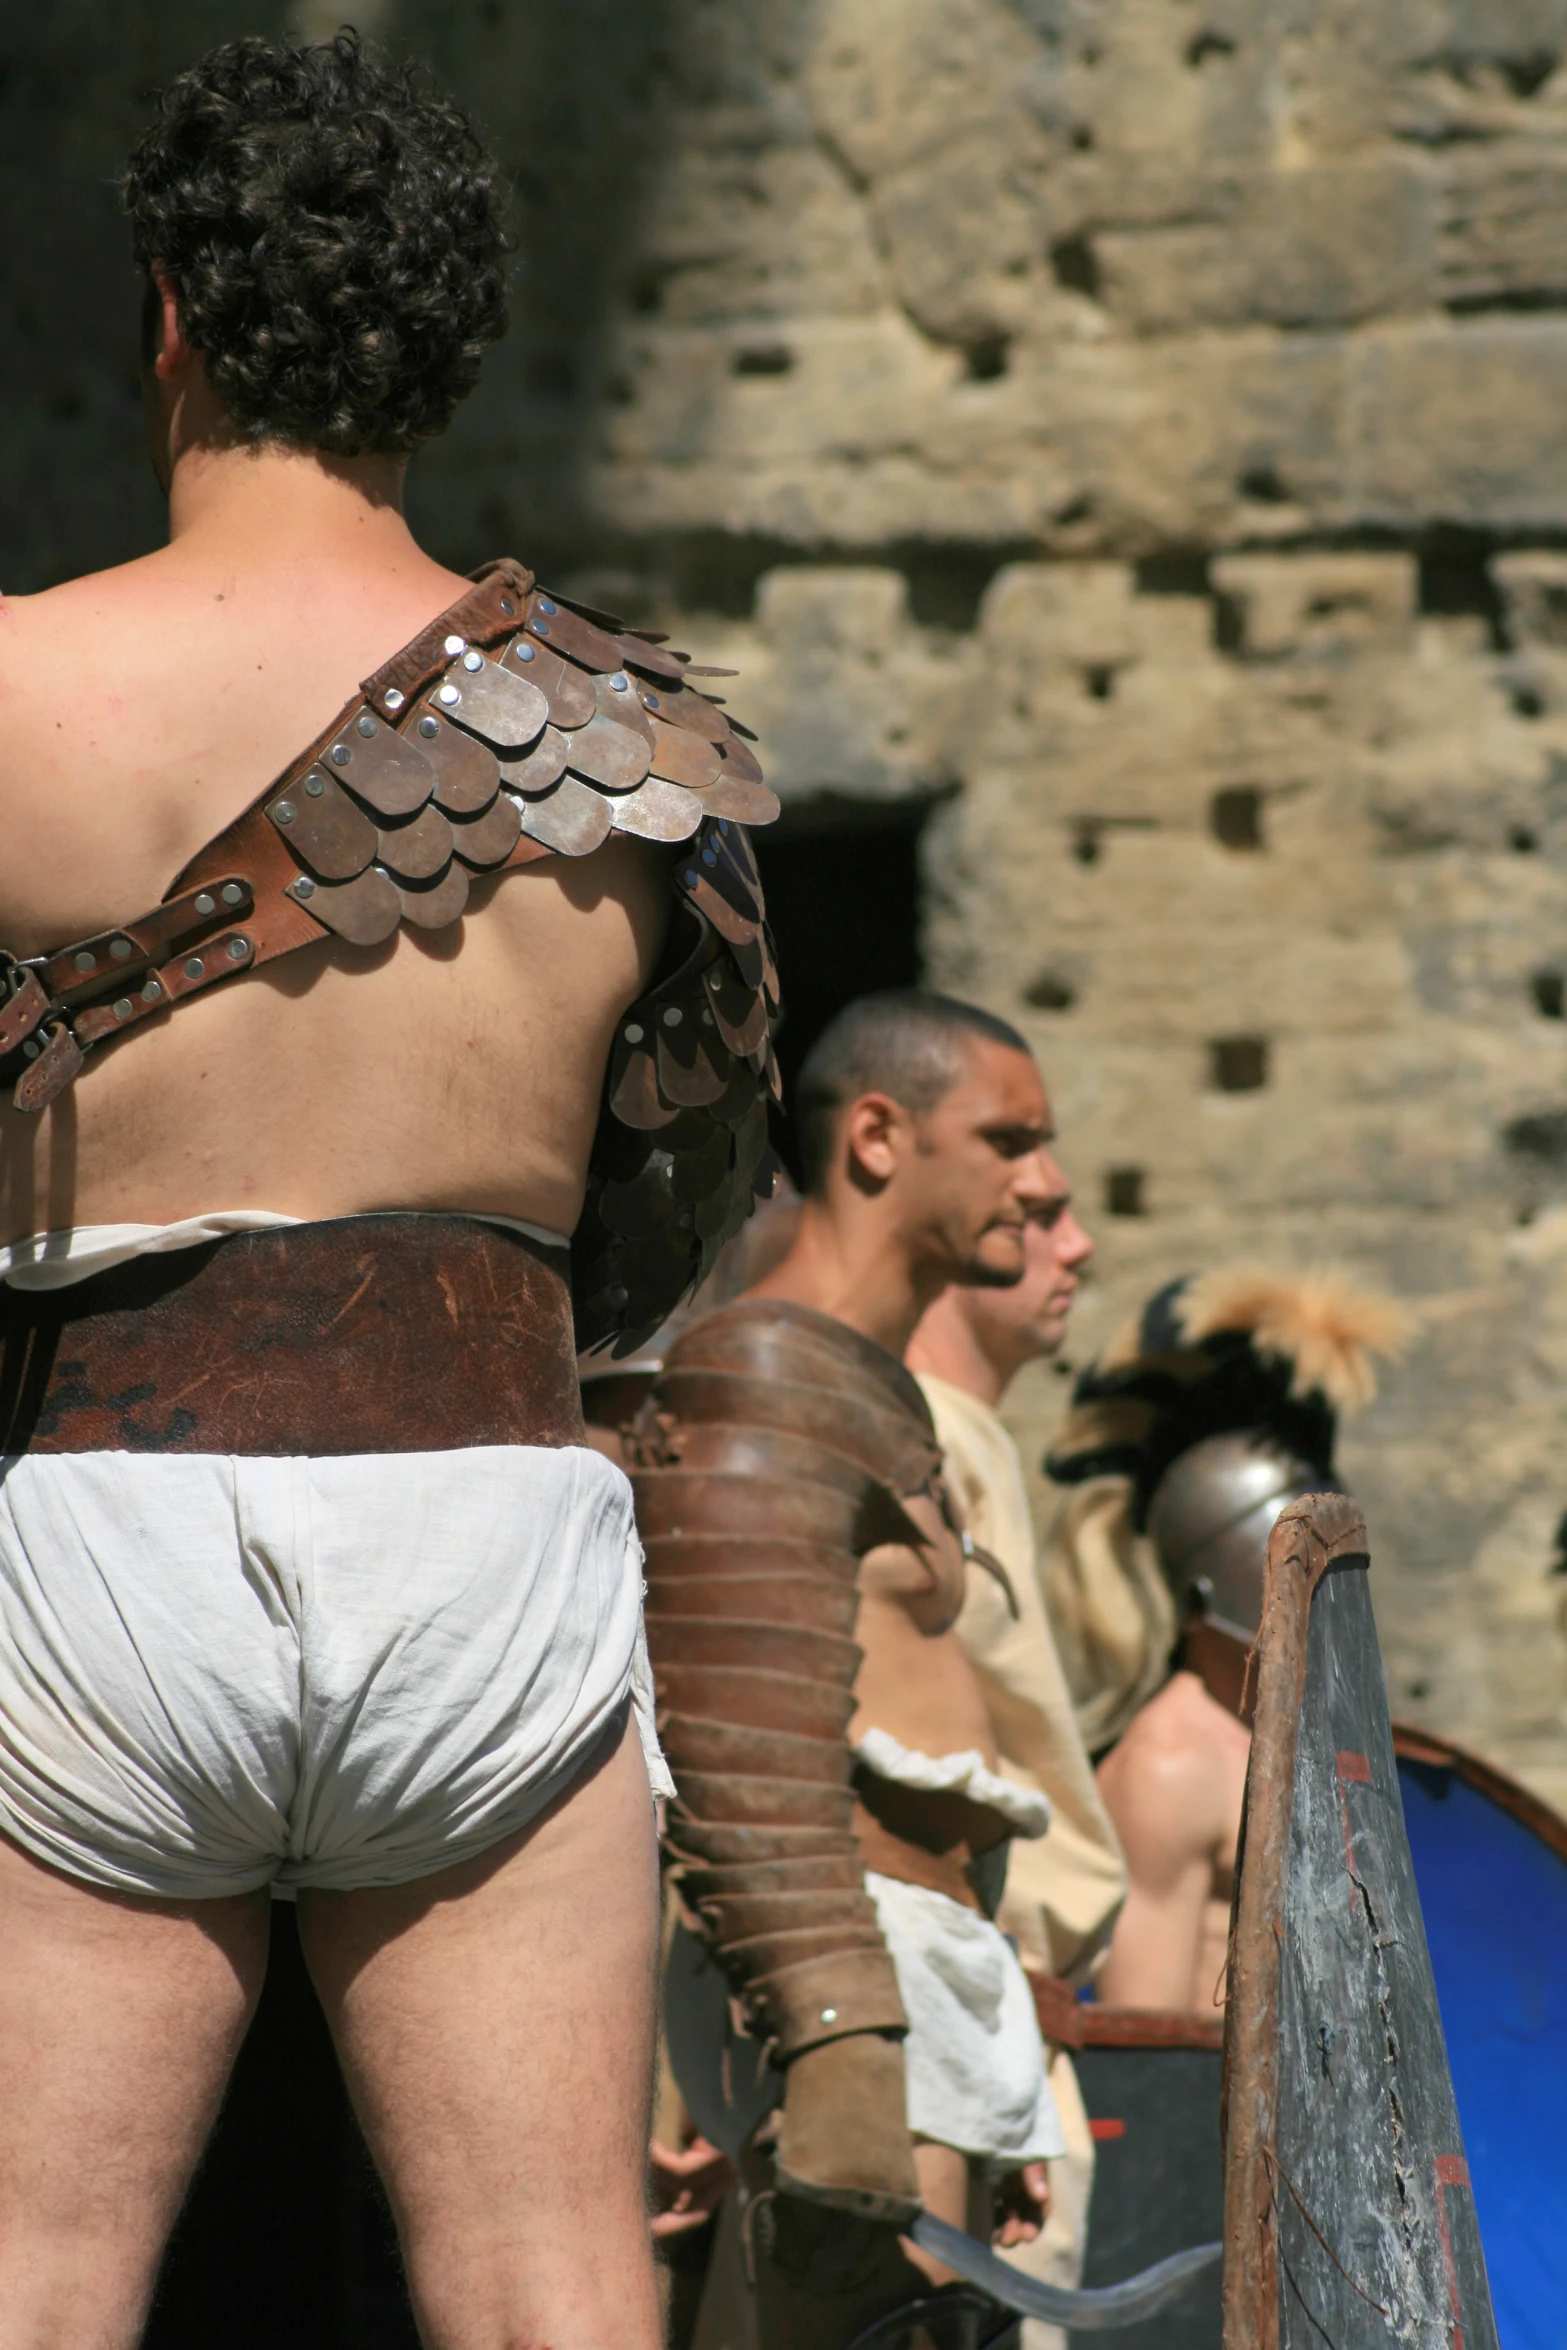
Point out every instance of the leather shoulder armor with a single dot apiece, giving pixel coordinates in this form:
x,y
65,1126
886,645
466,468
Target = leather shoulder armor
x,y
517,726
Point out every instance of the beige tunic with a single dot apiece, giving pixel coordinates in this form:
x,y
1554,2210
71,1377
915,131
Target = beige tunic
x,y
1063,1893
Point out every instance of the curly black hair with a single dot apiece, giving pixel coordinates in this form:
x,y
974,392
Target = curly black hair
x,y
337,235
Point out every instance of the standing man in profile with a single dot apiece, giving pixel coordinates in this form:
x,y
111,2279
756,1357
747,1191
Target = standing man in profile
x,y
841,1826
308,1582
1064,1892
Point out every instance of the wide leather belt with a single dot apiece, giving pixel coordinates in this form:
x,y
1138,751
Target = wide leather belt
x,y
365,1334
931,1837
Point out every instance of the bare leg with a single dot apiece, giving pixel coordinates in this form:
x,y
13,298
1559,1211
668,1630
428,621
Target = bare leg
x,y
119,2021
495,2023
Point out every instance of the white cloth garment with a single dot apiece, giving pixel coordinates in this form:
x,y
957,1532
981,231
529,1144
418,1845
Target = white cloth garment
x,y
56,1260
1026,1810
222,1673
973,2058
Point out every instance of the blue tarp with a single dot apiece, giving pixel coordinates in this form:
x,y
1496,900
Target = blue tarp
x,y
1495,1901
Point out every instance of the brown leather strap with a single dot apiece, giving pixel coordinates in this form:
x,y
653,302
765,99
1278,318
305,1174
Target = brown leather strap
x,y
367,1334
924,1836
1059,2012
228,910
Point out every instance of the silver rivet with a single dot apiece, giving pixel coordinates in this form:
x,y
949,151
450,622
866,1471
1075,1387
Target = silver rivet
x,y
341,754
195,967
315,785
283,813
723,824
710,856
633,1034
151,992
121,949
85,959
123,1008
367,724
393,699
473,660
524,652
231,893
429,726
304,887
539,627
829,2015
691,877
651,702
707,1019
507,606
456,644
448,694
673,1017
31,1048
620,681
239,948
546,606
206,903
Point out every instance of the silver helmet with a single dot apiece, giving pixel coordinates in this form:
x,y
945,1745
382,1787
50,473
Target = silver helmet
x,y
1210,1518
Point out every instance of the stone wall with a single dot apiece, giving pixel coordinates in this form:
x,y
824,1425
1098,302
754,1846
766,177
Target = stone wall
x,y
1144,422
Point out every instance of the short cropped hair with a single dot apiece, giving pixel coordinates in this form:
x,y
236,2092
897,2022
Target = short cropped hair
x,y
908,1042
337,235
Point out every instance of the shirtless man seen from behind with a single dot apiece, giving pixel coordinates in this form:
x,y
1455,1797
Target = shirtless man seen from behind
x,y
403,1686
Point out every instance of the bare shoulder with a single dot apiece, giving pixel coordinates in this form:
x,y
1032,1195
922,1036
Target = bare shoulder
x,y
37,631
1182,1753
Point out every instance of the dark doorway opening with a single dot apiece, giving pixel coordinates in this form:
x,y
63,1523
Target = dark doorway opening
x,y
286,2238
843,898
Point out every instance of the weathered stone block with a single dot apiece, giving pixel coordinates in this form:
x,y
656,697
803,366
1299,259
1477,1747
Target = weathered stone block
x,y
1313,246
1534,596
1305,605
1502,224
1462,424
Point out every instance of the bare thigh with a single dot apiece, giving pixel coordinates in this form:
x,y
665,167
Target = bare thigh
x,y
119,2021
495,2023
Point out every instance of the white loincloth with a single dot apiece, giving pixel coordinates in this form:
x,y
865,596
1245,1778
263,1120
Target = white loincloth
x,y
974,2059
221,1673
56,1260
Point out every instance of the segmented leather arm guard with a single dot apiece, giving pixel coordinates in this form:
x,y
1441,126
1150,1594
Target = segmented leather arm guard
x,y
777,1447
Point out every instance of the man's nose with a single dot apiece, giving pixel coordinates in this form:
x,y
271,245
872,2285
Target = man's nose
x,y
1074,1246
1035,1181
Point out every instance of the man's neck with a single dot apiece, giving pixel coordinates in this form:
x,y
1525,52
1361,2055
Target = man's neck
x,y
267,500
945,1347
865,1276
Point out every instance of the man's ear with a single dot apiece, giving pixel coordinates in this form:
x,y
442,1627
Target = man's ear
x,y
875,1136
169,347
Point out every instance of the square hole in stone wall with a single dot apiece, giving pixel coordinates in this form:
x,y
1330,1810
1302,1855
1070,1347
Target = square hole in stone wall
x,y
1125,1192
1236,817
1238,1064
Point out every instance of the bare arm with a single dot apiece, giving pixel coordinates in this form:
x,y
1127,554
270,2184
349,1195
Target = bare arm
x,y
1172,1789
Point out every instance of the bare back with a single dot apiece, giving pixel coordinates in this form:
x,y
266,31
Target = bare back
x,y
140,710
